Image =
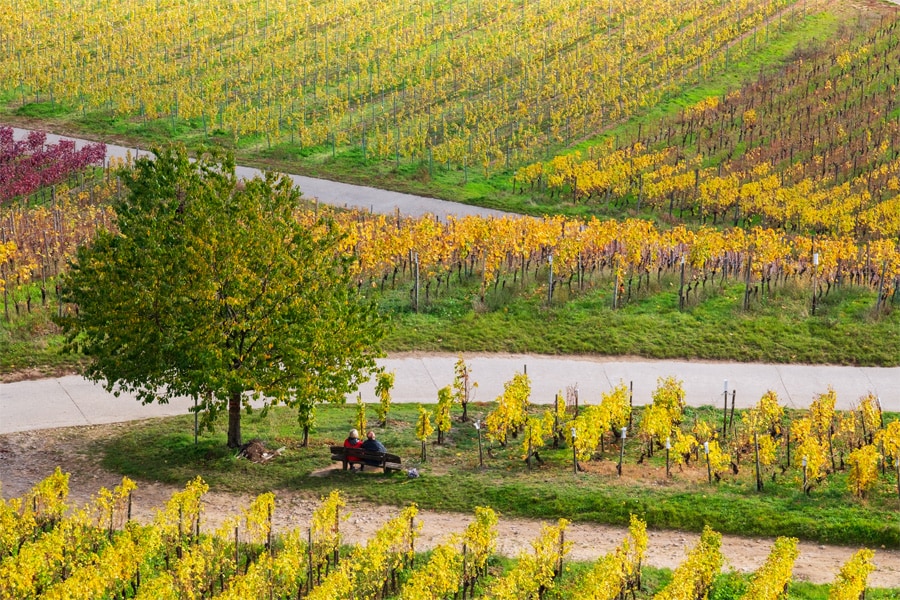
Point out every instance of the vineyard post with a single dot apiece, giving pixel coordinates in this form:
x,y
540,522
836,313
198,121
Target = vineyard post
x,y
550,280
881,287
574,454
463,583
336,555
480,451
416,263
725,410
269,532
759,483
622,451
560,553
555,422
731,414
787,432
815,261
196,419
805,486
630,402
237,549
528,437
6,299
309,562
581,270
681,286
616,291
412,540
708,465
668,449
747,282
112,514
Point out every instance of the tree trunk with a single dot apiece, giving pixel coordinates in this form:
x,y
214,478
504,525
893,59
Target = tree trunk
x,y
234,420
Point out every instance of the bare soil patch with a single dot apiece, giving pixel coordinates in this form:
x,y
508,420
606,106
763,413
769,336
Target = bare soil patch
x,y
31,373
28,457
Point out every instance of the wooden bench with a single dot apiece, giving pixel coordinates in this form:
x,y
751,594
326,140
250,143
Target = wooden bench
x,y
381,460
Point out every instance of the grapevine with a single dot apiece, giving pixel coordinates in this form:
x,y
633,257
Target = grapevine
x,y
850,584
534,573
771,580
692,579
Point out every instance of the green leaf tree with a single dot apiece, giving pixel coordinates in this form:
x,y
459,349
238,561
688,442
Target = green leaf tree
x,y
212,288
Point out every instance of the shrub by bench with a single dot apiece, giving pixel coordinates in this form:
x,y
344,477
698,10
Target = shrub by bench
x,y
382,460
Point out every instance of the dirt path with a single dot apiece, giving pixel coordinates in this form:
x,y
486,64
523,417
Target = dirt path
x,y
27,457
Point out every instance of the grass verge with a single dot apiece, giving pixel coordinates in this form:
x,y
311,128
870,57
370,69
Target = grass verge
x,y
777,328
31,346
713,326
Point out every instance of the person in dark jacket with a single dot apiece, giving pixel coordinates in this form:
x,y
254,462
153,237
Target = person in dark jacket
x,y
373,445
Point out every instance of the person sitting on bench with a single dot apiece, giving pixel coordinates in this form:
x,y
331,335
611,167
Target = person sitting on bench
x,y
373,445
353,441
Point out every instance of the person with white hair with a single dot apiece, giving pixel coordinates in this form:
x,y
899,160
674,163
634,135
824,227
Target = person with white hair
x,y
353,441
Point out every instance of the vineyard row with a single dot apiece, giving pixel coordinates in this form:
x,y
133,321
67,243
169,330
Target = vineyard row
x,y
97,551
37,243
475,83
811,148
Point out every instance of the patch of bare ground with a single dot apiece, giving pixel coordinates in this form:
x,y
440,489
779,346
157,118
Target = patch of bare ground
x,y
33,373
28,457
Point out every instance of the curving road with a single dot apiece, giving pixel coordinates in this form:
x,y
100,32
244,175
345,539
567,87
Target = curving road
x,y
72,400
329,192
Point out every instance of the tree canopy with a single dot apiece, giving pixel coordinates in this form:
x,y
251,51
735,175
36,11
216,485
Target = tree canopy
x,y
212,288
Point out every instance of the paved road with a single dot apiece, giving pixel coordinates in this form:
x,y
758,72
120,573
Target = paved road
x,y
72,400
330,192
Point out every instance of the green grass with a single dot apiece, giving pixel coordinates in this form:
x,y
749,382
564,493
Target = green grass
x,y
31,344
776,328
163,450
42,110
